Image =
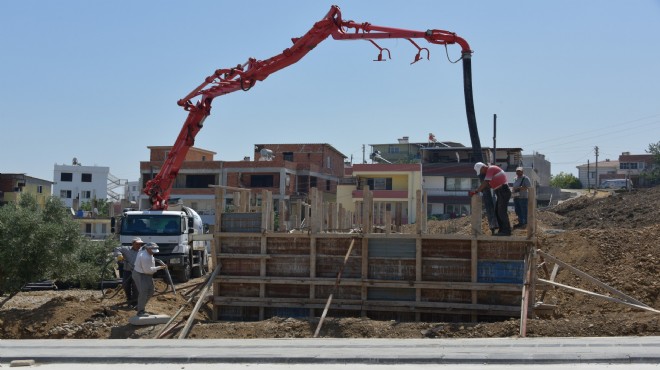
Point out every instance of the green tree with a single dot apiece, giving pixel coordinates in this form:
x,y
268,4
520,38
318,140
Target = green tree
x,y
101,205
44,243
652,174
565,181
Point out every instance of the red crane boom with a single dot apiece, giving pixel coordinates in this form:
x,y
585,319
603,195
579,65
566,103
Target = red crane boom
x,y
244,76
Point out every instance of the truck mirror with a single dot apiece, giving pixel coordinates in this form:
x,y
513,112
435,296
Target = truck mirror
x,y
191,222
191,231
112,225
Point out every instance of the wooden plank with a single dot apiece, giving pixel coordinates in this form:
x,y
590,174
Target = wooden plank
x,y
531,212
475,215
358,304
524,304
368,283
200,301
591,279
594,294
327,305
474,272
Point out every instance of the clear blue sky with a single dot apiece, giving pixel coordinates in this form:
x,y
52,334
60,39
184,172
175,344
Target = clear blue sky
x,y
99,80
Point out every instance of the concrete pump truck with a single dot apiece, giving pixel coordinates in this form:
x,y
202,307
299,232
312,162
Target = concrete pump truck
x,y
178,246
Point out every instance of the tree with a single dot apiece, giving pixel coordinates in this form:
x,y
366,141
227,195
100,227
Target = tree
x,y
43,243
565,181
101,205
652,174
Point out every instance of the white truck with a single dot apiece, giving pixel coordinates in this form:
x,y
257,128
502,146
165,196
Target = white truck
x,y
179,233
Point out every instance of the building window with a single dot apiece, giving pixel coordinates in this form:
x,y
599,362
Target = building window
x,y
86,194
200,181
327,185
261,181
287,156
328,162
380,183
86,177
393,149
40,189
66,176
461,183
88,228
65,194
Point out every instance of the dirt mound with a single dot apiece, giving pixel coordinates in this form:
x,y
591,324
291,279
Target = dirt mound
x,y
613,239
620,210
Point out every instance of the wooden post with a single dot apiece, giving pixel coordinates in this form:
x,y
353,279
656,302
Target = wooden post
x,y
475,215
418,211
531,212
474,275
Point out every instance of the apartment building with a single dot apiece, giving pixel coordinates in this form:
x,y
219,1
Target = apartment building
x,y
76,184
15,185
394,187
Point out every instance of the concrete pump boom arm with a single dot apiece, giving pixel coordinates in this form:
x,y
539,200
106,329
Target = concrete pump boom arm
x,y
244,76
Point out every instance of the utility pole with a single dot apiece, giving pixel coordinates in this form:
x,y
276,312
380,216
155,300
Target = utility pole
x,y
597,182
363,159
494,139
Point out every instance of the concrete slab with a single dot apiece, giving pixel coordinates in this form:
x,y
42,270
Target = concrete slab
x,y
149,320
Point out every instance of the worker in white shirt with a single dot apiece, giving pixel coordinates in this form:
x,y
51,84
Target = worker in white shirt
x,y
143,271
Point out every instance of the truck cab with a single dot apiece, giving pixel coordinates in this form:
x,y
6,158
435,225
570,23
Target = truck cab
x,y
178,235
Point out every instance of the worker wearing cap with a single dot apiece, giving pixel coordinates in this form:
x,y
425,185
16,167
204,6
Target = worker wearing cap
x,y
128,254
495,178
145,268
520,186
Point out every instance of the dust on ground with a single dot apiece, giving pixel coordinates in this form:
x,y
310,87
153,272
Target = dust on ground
x,y
614,238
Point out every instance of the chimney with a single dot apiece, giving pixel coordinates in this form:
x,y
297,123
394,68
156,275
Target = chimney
x,y
403,140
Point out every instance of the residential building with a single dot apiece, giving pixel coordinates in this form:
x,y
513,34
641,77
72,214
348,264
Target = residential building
x,y
76,184
405,151
191,185
394,186
632,166
537,168
287,170
132,192
592,174
15,185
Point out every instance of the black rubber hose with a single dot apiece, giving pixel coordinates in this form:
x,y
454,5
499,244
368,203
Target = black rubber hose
x,y
477,153
169,277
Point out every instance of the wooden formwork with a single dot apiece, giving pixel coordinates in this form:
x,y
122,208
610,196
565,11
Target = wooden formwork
x,y
407,277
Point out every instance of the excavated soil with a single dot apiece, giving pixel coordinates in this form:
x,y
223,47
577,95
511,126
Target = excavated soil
x,y
613,237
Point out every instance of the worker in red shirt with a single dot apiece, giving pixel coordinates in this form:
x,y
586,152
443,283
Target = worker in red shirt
x,y
496,179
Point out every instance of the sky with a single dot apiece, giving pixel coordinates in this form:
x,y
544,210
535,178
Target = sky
x,y
99,80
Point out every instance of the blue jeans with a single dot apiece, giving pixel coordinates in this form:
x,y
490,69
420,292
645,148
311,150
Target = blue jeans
x,y
520,205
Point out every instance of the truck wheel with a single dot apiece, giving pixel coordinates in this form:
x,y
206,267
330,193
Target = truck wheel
x,y
200,269
183,275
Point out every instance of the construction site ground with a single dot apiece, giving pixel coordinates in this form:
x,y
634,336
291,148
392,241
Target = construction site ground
x,y
613,237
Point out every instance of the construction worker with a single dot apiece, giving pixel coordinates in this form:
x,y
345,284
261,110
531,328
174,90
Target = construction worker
x,y
127,255
520,186
495,178
145,268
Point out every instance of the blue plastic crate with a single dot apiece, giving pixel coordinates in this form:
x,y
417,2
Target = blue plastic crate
x,y
507,272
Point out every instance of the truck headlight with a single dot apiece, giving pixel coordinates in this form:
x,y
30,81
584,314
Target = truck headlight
x,y
175,261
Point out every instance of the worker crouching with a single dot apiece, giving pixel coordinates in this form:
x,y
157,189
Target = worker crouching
x,y
145,268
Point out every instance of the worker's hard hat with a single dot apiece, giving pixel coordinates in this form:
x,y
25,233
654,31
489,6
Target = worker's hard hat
x,y
478,166
519,169
152,246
